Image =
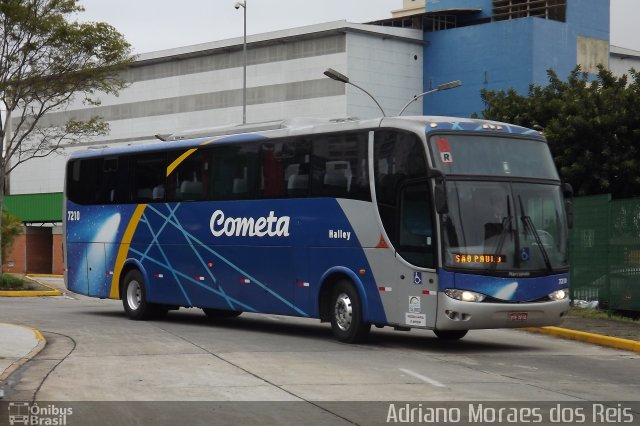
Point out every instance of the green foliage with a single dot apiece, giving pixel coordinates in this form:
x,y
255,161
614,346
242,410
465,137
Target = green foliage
x,y
47,61
593,127
11,228
11,282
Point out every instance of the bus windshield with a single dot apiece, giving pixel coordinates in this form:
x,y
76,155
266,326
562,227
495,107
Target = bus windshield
x,y
492,156
503,226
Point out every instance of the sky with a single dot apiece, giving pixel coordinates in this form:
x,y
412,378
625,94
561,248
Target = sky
x,y
151,25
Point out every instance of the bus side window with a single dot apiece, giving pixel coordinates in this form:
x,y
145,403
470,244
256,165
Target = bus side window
x,y
113,180
188,181
82,179
340,166
285,168
233,173
148,173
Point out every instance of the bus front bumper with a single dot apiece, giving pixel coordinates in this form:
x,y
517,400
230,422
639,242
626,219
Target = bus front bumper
x,y
458,315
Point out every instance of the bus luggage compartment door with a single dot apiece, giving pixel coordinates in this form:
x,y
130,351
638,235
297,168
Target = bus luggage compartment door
x,y
97,276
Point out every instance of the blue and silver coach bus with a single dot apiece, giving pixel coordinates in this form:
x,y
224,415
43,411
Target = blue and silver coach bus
x,y
438,223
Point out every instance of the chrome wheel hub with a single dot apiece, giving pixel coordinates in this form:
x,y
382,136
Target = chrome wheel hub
x,y
343,312
134,295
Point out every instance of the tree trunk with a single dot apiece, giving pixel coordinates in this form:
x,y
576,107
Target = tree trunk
x,y
2,177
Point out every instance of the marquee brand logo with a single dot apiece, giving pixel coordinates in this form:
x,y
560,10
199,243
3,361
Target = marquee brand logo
x,y
271,225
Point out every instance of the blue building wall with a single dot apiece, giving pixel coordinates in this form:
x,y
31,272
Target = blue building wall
x,y
505,54
444,5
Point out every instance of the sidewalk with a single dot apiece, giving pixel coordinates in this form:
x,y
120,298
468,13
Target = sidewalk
x,y
18,344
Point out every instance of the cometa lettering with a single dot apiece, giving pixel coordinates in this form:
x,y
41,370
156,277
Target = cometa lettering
x,y
271,226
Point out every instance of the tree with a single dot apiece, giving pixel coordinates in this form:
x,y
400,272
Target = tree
x,y
593,127
11,228
48,61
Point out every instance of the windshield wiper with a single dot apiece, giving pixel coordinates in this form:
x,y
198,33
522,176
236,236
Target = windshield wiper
x,y
503,234
528,223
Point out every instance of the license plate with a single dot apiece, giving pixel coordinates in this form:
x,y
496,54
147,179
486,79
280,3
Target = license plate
x,y
518,316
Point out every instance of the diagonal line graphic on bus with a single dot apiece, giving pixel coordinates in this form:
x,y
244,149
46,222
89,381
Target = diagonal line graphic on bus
x,y
193,281
179,227
155,236
166,259
186,237
195,251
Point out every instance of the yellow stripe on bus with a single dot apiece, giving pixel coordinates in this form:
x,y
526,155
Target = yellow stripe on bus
x,y
186,155
114,293
179,160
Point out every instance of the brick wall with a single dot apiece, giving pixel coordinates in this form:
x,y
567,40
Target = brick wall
x,y
37,250
16,256
58,260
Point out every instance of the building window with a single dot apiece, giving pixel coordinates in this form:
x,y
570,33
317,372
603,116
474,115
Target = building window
x,y
514,9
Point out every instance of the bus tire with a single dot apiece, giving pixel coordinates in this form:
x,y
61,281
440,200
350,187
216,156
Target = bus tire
x,y
220,313
450,334
347,322
134,298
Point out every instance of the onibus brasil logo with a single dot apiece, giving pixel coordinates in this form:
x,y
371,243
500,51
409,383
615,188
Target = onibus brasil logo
x,y
24,413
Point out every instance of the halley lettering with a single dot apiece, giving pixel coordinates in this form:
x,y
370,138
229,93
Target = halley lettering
x,y
339,234
271,226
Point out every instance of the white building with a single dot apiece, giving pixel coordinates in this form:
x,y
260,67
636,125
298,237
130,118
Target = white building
x,y
200,86
621,60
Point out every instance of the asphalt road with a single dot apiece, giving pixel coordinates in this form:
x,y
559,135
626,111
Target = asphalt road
x,y
94,353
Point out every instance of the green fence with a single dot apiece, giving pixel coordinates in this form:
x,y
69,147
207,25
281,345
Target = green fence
x,y
605,252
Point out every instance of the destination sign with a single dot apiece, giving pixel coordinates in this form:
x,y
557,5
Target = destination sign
x,y
473,259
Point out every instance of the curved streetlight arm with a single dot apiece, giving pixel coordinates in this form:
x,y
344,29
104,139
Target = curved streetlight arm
x,y
335,75
441,87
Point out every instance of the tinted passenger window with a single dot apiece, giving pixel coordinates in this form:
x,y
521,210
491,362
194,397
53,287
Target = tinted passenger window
x,y
340,167
190,179
82,181
234,171
285,169
98,181
148,178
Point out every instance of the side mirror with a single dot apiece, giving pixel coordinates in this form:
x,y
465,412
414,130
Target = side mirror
x,y
435,173
440,191
440,198
567,191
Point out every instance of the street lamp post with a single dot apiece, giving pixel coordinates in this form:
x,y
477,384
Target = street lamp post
x,y
439,88
243,5
335,75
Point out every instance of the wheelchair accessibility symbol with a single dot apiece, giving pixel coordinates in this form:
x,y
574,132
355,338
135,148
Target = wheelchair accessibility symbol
x,y
417,278
524,254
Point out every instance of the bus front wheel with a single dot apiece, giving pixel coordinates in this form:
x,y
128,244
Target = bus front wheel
x,y
347,322
134,298
450,334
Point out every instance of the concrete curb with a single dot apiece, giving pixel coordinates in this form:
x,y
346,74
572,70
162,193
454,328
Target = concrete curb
x,y
581,336
32,293
42,342
46,275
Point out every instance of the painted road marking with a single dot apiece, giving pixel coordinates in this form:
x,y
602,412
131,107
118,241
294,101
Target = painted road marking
x,y
423,378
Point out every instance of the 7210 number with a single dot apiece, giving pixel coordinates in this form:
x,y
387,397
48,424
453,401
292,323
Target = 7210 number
x,y
73,215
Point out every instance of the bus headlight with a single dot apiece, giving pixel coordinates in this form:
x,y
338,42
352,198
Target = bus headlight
x,y
559,295
464,295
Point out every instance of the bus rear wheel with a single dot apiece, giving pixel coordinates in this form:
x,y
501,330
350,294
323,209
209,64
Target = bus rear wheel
x,y
347,322
450,334
220,313
134,298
